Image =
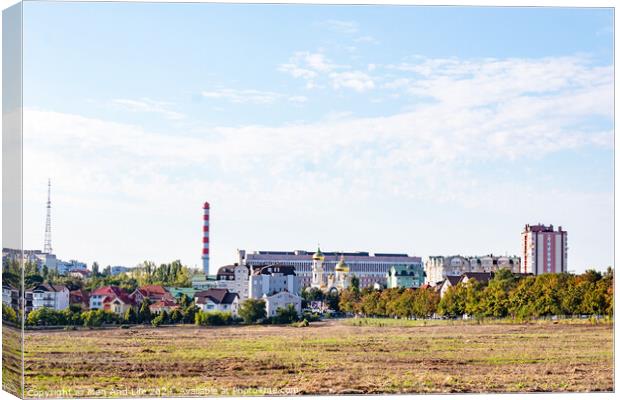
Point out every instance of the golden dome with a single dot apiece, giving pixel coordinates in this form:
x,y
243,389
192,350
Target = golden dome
x,y
318,256
341,266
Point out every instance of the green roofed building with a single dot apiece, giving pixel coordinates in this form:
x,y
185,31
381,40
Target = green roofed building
x,y
405,276
176,292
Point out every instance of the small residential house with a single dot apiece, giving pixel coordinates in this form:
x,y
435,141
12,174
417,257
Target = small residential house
x,y
7,294
482,277
177,292
154,293
80,298
79,273
281,300
50,296
10,296
450,281
111,298
163,305
217,300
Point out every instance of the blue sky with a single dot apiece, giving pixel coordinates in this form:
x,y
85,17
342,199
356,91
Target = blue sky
x,y
427,130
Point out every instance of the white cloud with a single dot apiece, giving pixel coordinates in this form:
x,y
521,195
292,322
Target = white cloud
x,y
308,66
356,80
252,96
298,99
346,27
489,111
149,106
367,39
314,66
495,81
243,96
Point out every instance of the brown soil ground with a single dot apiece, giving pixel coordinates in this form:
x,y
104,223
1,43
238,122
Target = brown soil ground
x,y
325,358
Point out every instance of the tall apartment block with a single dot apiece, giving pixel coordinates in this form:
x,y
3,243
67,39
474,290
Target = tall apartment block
x,y
545,251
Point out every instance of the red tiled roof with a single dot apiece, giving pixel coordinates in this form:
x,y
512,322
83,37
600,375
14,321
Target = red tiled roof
x,y
149,290
164,303
115,290
153,292
111,292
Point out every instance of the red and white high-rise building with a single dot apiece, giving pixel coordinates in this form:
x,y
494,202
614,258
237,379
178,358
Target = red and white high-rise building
x,y
205,239
545,251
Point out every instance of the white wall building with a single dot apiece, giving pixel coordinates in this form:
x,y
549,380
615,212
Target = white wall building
x,y
218,300
281,300
235,278
31,256
273,279
369,269
63,267
437,268
50,296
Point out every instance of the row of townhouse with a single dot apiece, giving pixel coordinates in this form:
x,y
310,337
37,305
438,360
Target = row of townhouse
x,y
115,299
111,298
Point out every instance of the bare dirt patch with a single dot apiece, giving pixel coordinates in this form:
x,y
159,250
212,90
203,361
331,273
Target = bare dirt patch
x,y
325,358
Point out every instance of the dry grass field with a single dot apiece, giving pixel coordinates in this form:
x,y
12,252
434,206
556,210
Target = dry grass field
x,y
325,358
11,359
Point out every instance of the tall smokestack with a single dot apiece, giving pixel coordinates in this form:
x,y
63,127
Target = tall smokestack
x,y
205,239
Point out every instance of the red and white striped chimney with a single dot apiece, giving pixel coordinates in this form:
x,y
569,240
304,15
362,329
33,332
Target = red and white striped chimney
x,y
205,239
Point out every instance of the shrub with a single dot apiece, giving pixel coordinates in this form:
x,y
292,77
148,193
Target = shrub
x,y
301,324
252,310
286,315
176,316
213,318
9,314
158,320
95,318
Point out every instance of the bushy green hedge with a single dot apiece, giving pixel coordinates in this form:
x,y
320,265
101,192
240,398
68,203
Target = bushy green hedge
x,y
9,314
285,315
213,318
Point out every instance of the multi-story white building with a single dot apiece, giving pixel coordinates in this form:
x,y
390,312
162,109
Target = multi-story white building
x,y
271,279
545,251
50,296
437,268
10,296
369,269
235,278
31,256
64,267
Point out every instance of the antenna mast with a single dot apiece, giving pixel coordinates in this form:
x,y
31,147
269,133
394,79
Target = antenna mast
x,y
47,245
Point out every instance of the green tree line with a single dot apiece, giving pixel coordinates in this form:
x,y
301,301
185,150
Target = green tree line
x,y
505,295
